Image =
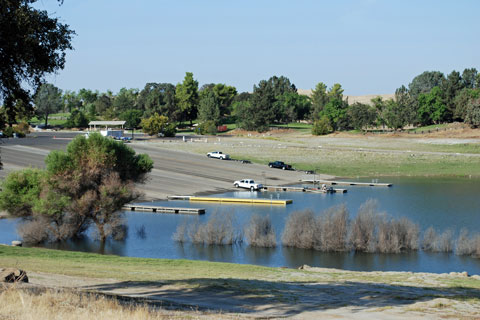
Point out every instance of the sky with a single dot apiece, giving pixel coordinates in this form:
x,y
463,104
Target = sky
x,y
368,46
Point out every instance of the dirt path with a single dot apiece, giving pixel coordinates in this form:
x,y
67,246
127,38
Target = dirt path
x,y
324,298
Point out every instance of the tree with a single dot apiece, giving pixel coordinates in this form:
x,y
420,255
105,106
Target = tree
x,y
132,117
336,111
48,100
158,98
461,102
125,100
432,107
280,85
319,99
103,106
87,184
472,116
158,124
244,113
394,115
425,82
335,92
209,107
87,97
77,119
31,45
71,101
262,101
186,95
225,95
469,78
450,88
407,105
362,115
291,106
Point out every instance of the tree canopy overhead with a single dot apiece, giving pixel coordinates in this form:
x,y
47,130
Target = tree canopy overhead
x,y
32,44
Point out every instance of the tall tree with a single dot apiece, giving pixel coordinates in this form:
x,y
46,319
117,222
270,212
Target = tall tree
x,y
407,106
461,102
48,100
425,82
450,88
158,98
32,44
432,108
209,107
469,77
186,95
362,115
262,101
291,106
125,100
225,95
319,99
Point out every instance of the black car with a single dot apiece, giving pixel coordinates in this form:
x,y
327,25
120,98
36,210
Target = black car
x,y
280,165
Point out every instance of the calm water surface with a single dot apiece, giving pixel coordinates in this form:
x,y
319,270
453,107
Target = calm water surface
x,y
441,203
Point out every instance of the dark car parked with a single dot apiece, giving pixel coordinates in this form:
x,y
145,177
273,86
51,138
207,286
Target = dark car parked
x,y
280,165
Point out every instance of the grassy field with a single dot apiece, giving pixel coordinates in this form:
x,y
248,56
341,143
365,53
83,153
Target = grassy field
x,y
232,287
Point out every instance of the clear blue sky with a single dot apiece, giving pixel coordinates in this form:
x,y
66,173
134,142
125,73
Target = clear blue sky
x,y
368,46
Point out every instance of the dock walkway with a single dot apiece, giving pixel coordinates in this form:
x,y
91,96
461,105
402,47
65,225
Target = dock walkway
x,y
155,208
301,189
348,183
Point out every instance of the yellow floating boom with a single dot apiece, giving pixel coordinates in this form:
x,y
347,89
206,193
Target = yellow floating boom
x,y
241,200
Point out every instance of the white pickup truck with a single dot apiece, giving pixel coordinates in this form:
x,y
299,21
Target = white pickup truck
x,y
247,184
218,155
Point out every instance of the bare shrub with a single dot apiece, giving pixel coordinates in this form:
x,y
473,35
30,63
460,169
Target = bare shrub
x,y
181,234
301,231
333,225
395,236
218,230
260,233
34,231
476,246
434,242
363,235
465,245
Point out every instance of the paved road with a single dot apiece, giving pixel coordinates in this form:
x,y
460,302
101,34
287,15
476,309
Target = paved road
x,y
175,172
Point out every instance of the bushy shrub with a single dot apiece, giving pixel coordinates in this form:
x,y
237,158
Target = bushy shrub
x,y
434,242
207,127
260,233
77,119
322,126
363,235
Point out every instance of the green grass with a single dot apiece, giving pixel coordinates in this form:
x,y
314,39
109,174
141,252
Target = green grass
x,y
53,119
432,127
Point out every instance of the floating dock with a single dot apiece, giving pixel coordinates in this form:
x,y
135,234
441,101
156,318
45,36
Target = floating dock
x,y
301,189
241,200
154,208
349,183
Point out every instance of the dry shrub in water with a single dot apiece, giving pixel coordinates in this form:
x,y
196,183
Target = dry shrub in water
x,y
218,230
363,233
333,225
34,231
395,236
301,230
259,232
434,242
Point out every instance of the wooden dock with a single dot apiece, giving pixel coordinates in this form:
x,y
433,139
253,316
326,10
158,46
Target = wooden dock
x,y
301,189
241,200
348,183
154,208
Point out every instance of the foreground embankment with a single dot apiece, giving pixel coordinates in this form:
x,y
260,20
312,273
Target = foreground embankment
x,y
245,290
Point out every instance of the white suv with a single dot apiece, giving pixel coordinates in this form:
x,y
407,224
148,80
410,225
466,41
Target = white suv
x,y
247,184
218,155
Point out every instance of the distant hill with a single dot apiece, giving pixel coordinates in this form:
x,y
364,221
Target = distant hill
x,y
352,99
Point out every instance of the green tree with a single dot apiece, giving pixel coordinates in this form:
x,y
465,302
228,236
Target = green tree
x,y
319,99
450,88
432,107
77,119
125,100
158,98
104,106
394,114
472,116
407,105
71,101
158,124
469,78
48,100
336,111
132,117
87,184
362,115
209,107
335,92
32,45
186,95
243,112
225,95
461,102
86,97
425,82
262,113
291,106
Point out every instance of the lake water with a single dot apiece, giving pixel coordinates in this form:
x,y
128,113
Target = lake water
x,y
443,203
